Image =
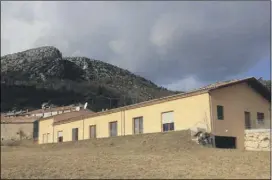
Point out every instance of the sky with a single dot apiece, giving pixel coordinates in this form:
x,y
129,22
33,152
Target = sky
x,y
179,45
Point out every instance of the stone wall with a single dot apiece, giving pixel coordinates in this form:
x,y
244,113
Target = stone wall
x,y
10,131
258,139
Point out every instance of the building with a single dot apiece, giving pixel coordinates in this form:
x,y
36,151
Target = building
x,y
47,112
24,124
47,133
225,108
19,127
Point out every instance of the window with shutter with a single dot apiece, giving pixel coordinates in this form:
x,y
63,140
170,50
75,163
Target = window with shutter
x,y
260,118
75,134
138,125
220,112
60,137
168,121
92,131
113,128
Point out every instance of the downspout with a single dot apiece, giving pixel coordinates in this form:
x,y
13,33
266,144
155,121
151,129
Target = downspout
x,y
53,132
122,120
83,128
211,118
121,123
124,112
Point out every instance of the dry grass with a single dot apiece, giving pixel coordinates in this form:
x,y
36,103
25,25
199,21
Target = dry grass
x,y
166,155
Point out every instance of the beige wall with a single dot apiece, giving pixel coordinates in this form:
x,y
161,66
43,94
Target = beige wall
x,y
9,131
46,127
236,100
187,113
67,130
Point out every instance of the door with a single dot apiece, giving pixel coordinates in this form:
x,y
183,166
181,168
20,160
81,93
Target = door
x,y
44,138
74,134
247,120
92,131
48,137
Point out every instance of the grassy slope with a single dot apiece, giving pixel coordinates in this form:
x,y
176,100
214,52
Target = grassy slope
x,y
159,155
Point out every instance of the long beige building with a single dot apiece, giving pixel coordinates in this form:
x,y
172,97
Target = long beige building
x,y
226,109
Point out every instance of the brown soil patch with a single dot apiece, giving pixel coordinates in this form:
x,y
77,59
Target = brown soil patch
x,y
160,155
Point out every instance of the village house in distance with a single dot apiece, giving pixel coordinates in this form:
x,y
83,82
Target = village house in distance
x,y
24,124
228,110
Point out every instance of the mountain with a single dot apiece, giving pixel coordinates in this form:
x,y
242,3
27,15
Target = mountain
x,y
42,74
267,83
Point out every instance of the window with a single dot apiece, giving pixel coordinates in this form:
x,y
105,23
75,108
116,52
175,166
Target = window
x,y
168,127
92,131
247,120
260,118
113,128
138,125
74,134
220,112
60,136
168,121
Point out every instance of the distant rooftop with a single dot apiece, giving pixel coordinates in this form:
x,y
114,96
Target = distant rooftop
x,y
17,119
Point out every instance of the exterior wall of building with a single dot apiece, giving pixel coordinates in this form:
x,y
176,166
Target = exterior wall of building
x,y
187,113
9,131
236,100
102,124
46,127
67,130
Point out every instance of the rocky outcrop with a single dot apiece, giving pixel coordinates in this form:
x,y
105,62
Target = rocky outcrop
x,y
258,139
101,84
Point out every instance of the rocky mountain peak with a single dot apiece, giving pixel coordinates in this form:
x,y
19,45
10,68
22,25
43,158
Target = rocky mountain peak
x,y
89,79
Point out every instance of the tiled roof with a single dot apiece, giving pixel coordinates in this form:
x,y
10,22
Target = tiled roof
x,y
18,119
63,108
71,115
202,90
219,84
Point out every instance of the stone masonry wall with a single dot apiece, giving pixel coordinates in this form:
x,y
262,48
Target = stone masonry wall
x,y
258,139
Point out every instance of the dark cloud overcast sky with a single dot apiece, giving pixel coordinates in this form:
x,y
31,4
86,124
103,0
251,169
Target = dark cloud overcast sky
x,y
180,45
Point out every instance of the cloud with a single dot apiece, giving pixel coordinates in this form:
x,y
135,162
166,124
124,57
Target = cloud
x,y
186,84
166,42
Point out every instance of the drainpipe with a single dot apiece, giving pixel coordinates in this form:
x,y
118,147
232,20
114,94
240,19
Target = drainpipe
x,y
124,122
211,118
83,127
122,132
53,131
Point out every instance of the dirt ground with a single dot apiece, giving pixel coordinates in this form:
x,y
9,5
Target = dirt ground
x,y
163,155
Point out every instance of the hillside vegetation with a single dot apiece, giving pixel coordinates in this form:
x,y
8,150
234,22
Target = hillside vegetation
x,y
149,156
38,75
